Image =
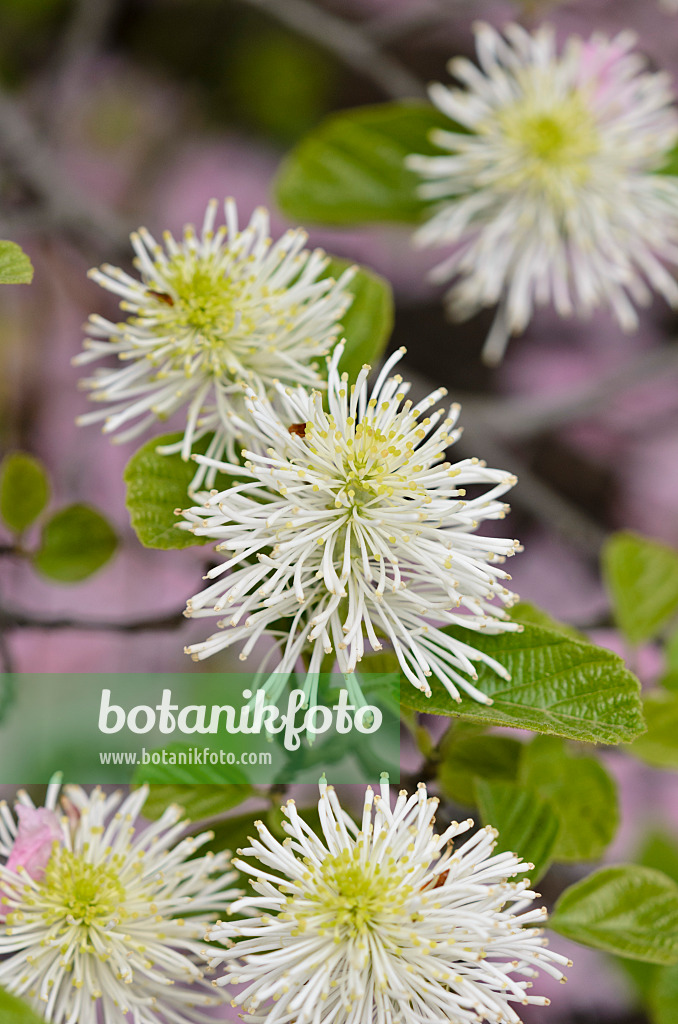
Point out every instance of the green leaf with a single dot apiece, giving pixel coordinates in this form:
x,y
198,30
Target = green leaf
x,y
529,613
663,999
368,322
24,490
199,801
467,758
670,679
558,685
661,853
671,165
234,833
15,1011
207,775
629,910
642,579
15,266
156,486
581,792
659,745
527,825
352,169
75,543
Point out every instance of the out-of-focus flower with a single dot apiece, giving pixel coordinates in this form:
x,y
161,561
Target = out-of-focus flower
x,y
208,313
351,526
551,192
386,922
111,923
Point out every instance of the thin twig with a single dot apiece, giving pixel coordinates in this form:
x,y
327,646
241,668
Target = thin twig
x,y
346,41
396,24
520,419
6,659
532,494
14,619
36,166
81,42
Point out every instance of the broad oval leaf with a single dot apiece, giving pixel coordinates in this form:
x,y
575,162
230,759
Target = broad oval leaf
x,y
156,486
186,776
582,793
15,1011
368,322
659,745
642,579
663,996
198,801
24,490
558,685
75,543
15,266
527,824
466,758
629,910
529,613
351,169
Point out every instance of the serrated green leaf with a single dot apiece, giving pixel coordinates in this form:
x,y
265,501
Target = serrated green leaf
x,y
15,266
156,486
24,490
661,853
351,169
659,745
581,792
558,685
629,910
529,613
75,543
642,579
368,322
15,1011
207,775
527,824
663,996
467,758
198,801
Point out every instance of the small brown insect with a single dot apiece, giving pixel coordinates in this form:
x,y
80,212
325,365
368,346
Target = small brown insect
x,y
162,297
436,882
297,428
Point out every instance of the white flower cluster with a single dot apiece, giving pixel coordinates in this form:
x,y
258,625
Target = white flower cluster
x,y
100,922
208,313
549,191
383,922
351,526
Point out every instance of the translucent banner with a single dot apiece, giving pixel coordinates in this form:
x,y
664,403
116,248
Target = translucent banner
x,y
198,728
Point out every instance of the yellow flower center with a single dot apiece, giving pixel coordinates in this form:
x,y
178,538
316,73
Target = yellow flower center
x,y
73,887
554,138
357,895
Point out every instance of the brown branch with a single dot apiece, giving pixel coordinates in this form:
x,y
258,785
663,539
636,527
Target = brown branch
x,y
15,619
35,164
346,41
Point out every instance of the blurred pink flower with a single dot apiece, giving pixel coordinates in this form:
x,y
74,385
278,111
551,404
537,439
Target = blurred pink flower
x,y
38,830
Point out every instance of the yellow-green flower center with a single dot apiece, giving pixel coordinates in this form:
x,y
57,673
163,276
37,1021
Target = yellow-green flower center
x,y
75,888
554,138
206,300
357,895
